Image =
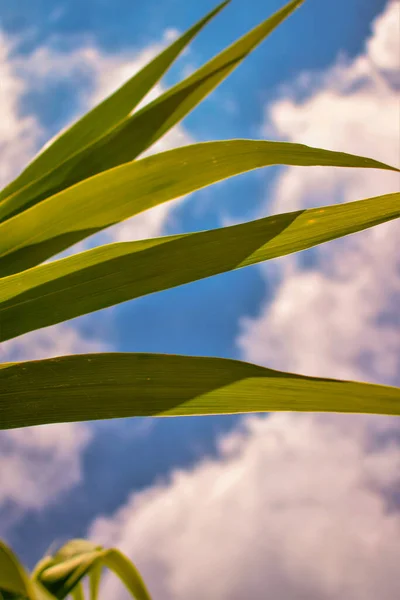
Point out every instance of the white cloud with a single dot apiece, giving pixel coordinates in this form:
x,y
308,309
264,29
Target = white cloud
x,y
339,320
40,464
57,340
294,508
100,73
18,133
341,317
384,45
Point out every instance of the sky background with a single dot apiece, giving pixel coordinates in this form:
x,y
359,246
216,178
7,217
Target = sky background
x,y
225,507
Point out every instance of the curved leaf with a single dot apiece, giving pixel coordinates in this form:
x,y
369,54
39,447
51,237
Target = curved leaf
x,y
12,575
115,273
108,113
14,581
127,572
59,572
139,132
101,201
94,581
78,559
77,592
63,575
40,593
106,386
74,548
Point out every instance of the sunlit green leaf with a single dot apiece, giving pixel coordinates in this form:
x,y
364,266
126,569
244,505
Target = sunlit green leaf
x,y
79,559
40,593
74,548
14,581
139,132
106,386
77,592
12,575
51,226
94,581
115,273
126,571
108,113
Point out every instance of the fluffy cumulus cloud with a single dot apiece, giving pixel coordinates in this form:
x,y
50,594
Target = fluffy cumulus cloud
x,y
301,506
39,464
294,508
58,340
18,133
340,316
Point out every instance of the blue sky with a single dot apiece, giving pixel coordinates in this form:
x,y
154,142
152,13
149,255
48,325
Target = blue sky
x,y
226,315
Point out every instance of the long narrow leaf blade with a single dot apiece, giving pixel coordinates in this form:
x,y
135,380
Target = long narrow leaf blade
x,y
109,113
62,220
40,593
106,386
12,575
111,274
145,127
77,592
14,581
94,582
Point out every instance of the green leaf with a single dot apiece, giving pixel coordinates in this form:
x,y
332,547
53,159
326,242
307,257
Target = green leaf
x,y
61,572
40,593
70,550
63,575
126,571
14,581
74,548
106,386
77,592
12,574
45,562
62,220
139,132
109,113
94,581
73,562
114,273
